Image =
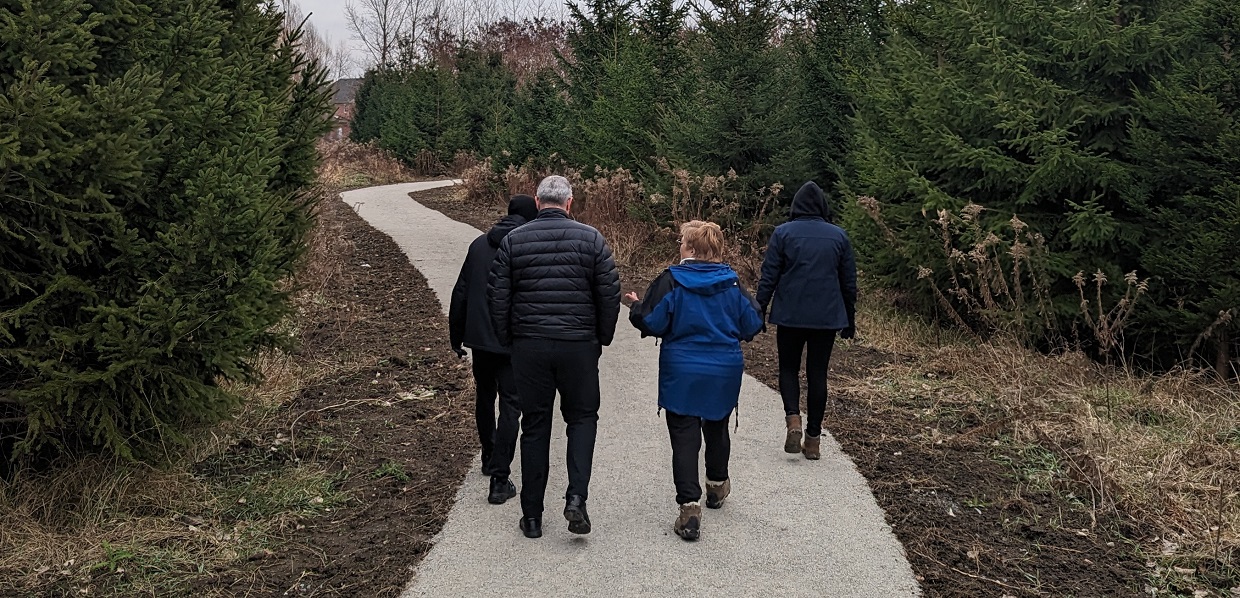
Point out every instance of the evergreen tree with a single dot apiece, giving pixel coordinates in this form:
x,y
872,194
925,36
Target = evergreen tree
x,y
1023,107
1186,146
539,127
154,158
611,88
743,113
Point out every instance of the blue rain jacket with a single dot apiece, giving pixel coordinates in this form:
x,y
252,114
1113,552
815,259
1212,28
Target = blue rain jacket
x,y
702,314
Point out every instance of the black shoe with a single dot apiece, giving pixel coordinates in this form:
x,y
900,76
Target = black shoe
x,y
575,513
502,489
532,526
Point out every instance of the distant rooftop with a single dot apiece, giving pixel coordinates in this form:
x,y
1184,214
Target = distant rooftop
x,y
345,90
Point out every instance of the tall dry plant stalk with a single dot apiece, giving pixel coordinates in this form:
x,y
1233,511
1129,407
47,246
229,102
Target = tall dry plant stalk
x,y
1108,324
995,284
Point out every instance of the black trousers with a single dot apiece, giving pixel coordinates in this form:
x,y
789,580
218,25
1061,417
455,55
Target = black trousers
x,y
492,376
541,368
687,432
792,342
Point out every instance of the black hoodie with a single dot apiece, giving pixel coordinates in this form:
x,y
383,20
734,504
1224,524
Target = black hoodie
x,y
469,318
810,202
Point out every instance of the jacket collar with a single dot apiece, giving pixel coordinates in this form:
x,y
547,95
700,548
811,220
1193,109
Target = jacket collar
x,y
549,213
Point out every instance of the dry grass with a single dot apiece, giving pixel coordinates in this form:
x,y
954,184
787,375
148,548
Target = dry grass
x,y
349,165
1163,450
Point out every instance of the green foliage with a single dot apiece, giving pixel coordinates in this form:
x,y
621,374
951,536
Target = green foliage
x,y
1087,120
742,113
1187,147
152,162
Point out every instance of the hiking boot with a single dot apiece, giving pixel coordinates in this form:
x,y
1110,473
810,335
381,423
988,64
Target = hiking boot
x,y
716,492
575,513
502,489
792,443
689,523
812,447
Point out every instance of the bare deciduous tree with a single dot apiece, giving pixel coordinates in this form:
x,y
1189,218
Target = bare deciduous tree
x,y
381,26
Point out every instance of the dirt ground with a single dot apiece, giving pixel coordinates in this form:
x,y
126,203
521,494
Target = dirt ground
x,y
971,520
397,430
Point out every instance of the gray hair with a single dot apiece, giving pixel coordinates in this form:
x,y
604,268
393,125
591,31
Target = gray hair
x,y
554,190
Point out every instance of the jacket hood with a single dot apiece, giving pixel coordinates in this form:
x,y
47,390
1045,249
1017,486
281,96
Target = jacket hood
x,y
704,278
810,202
523,206
503,227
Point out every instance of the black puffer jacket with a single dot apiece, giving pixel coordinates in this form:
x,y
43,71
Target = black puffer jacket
x,y
554,278
469,316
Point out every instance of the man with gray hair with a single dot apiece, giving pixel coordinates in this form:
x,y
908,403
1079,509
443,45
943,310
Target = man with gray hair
x,y
555,298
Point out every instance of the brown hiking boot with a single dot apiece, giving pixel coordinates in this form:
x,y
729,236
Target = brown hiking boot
x,y
689,523
813,446
792,443
716,492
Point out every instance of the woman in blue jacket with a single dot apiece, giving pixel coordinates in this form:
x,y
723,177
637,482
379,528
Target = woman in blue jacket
x,y
702,314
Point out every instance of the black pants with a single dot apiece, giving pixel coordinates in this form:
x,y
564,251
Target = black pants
x,y
686,432
792,342
541,368
493,375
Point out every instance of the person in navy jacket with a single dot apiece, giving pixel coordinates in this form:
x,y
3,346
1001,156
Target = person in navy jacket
x,y
702,314
809,280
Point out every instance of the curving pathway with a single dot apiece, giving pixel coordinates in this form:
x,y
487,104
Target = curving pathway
x,y
791,527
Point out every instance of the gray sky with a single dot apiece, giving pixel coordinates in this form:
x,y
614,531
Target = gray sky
x,y
328,18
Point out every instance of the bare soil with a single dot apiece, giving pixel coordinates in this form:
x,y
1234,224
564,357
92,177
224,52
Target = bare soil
x,y
397,430
970,519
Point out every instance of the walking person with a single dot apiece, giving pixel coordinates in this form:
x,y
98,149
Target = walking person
x,y
809,280
702,314
470,325
555,298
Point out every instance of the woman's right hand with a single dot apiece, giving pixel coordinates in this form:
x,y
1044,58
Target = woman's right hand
x,y
632,297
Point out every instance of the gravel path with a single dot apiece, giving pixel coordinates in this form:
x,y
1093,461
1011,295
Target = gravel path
x,y
791,527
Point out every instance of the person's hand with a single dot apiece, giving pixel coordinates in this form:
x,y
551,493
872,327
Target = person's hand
x,y
848,333
632,297
460,352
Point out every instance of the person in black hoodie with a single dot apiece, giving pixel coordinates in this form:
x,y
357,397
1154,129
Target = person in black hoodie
x,y
470,325
809,280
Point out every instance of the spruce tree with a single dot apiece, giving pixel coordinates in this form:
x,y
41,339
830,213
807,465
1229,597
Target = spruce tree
x,y
1186,146
1026,108
154,158
742,112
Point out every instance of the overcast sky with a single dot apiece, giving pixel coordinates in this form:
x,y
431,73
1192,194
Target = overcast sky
x,y
328,18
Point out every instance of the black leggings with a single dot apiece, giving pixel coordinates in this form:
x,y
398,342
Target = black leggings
x,y
792,342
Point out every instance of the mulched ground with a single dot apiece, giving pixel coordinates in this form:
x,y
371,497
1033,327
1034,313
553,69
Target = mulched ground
x,y
396,427
970,522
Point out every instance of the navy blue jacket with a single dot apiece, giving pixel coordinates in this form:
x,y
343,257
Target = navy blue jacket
x,y
809,275
702,314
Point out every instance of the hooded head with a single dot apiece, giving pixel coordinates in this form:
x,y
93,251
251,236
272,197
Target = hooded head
x,y
810,202
523,206
521,209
